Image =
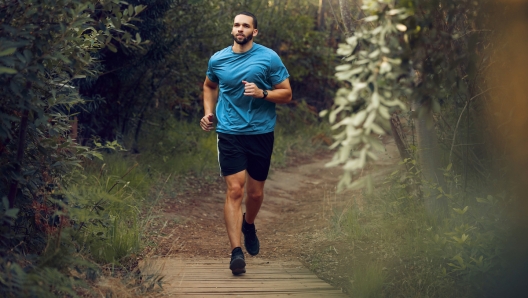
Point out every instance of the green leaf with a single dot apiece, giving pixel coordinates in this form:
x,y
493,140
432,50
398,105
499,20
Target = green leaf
x,y
7,70
459,259
15,87
98,155
13,212
371,18
62,57
112,48
396,11
21,57
461,211
139,9
436,106
401,27
7,52
116,22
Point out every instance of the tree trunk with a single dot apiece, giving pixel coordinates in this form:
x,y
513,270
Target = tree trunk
x,y
135,146
397,133
411,186
20,156
75,129
346,15
360,14
320,16
429,160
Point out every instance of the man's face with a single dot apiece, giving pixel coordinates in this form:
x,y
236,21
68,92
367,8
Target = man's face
x,y
243,30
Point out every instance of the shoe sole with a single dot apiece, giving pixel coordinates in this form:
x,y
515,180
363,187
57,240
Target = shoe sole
x,y
238,266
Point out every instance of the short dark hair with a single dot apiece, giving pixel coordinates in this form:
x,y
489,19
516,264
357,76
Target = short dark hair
x,y
249,14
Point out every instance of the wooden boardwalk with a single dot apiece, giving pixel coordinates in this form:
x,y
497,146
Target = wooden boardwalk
x,y
212,278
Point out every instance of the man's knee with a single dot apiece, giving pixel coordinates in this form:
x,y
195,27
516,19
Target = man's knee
x,y
255,195
235,192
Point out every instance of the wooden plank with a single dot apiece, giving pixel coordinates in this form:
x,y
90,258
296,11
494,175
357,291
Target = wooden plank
x,y
247,280
265,284
248,267
255,290
245,286
240,279
226,273
212,278
284,284
253,295
258,293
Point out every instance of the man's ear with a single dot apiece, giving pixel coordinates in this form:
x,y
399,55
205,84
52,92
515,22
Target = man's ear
x,y
255,32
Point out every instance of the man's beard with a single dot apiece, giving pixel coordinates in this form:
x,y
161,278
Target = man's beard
x,y
243,41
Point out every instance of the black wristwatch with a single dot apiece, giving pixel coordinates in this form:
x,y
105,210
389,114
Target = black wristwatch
x,y
265,92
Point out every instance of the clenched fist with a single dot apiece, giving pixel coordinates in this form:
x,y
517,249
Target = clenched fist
x,y
206,123
250,89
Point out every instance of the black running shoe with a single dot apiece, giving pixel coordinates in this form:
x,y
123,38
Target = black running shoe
x,y
238,264
251,241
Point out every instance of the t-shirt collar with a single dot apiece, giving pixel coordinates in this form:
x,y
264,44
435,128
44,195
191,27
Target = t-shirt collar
x,y
252,48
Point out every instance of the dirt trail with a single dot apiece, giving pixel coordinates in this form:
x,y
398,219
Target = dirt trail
x,y
292,225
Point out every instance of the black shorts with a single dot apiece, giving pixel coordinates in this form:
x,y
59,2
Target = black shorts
x,y
245,152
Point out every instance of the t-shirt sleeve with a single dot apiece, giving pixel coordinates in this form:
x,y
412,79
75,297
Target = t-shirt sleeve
x,y
210,73
278,72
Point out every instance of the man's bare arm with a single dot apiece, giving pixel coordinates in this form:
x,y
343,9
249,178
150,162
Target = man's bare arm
x,y
210,98
281,93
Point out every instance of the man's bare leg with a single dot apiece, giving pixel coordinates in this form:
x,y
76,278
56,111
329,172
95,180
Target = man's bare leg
x,y
254,199
233,207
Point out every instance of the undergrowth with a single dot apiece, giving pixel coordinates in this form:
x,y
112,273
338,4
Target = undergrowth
x,y
182,148
422,255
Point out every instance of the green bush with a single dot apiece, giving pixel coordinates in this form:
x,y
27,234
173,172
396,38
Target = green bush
x,y
298,131
460,255
44,47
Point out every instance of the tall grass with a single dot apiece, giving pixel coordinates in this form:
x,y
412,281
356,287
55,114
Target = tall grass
x,y
368,280
106,207
459,256
178,147
298,132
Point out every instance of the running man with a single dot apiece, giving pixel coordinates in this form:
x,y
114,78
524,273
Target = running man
x,y
244,81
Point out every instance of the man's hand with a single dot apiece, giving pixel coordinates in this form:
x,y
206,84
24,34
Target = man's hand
x,y
206,123
250,89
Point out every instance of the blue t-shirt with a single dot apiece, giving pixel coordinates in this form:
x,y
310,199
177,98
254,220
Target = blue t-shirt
x,y
236,113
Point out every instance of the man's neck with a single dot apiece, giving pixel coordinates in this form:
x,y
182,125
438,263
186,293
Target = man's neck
x,y
242,48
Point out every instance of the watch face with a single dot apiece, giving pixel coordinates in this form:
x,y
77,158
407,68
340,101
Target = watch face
x,y
265,92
